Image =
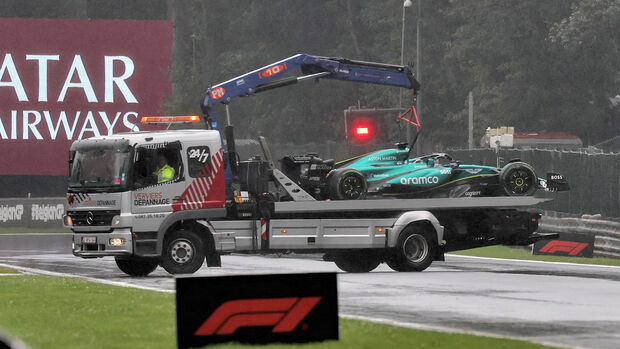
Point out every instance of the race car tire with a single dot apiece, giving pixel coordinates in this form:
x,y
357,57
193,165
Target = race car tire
x,y
518,179
136,266
347,184
184,252
357,262
414,251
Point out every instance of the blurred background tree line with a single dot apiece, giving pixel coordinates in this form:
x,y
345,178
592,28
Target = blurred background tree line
x,y
550,65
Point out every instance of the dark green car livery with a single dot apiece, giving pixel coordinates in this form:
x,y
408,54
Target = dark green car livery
x,y
391,173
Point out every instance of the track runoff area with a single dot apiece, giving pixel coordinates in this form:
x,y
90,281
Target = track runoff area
x,y
542,303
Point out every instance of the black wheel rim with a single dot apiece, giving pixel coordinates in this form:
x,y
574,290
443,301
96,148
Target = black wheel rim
x,y
519,181
415,248
351,187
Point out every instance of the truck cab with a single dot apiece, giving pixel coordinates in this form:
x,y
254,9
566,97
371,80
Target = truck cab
x,y
116,201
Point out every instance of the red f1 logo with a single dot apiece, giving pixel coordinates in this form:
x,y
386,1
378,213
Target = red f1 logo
x,y
573,248
282,313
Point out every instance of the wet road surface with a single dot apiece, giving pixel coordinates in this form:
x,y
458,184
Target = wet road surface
x,y
562,304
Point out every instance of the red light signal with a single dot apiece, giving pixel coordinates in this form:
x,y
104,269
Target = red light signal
x,y
363,129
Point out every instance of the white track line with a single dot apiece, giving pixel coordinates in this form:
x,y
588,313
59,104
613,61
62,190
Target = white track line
x,y
535,262
87,278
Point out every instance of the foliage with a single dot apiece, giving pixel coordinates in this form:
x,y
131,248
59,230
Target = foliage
x,y
536,65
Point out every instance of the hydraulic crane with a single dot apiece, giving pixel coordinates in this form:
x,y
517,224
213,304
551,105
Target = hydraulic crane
x,y
312,68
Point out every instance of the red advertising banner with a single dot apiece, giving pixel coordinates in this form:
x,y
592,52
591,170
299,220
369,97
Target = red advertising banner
x,y
65,79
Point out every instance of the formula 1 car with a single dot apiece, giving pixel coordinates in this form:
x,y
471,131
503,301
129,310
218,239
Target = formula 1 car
x,y
390,172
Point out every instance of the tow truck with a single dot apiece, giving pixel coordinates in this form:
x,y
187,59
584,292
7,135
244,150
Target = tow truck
x,y
216,204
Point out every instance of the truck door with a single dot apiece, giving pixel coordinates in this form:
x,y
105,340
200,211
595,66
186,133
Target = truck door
x,y
158,177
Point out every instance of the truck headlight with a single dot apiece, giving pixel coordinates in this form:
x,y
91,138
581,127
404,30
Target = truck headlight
x,y
116,242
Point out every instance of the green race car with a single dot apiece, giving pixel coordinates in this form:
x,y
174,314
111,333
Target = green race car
x,y
391,173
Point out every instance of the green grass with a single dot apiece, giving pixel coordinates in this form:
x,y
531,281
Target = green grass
x,y
4,270
23,230
53,312
513,253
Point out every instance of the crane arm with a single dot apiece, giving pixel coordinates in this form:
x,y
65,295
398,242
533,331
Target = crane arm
x,y
312,67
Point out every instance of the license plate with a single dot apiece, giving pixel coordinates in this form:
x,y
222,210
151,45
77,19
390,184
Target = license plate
x,y
89,239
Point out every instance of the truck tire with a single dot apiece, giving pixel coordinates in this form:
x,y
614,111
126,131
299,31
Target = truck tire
x,y
357,262
136,266
347,184
518,179
183,252
414,250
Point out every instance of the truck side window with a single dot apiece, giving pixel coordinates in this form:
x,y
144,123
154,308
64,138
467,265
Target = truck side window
x,y
148,163
199,161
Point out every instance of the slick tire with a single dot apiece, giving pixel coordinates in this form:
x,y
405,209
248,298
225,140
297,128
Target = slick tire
x,y
183,252
357,262
136,266
518,179
414,250
347,184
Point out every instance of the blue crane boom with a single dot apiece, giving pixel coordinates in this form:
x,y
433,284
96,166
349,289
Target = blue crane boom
x,y
275,75
312,67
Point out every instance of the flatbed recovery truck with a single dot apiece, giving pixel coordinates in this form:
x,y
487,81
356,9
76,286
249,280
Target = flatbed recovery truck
x,y
213,203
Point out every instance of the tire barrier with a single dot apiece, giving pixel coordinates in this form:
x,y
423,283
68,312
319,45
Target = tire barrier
x,y
606,233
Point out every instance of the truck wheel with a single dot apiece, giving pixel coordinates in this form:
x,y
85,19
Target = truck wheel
x,y
136,266
414,250
357,262
347,184
518,179
184,252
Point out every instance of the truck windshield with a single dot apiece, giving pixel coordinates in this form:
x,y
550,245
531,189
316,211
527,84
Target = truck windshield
x,y
100,169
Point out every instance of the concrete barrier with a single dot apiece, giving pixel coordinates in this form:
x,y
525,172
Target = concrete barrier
x,y
32,212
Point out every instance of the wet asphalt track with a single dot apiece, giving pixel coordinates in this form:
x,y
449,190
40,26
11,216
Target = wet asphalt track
x,y
563,304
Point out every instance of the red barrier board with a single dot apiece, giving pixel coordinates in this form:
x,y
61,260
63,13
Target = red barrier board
x,y
68,79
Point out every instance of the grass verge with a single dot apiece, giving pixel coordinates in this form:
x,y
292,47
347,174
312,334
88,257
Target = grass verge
x,y
54,312
23,230
513,253
4,270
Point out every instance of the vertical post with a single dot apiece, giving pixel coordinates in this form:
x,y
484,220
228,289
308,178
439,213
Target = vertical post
x,y
346,126
402,59
470,125
228,123
418,58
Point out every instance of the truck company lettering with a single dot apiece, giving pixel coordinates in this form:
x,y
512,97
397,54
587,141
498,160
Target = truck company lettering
x,y
146,199
420,180
62,80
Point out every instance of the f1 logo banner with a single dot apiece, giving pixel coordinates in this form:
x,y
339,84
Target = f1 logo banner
x,y
67,79
569,244
286,308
